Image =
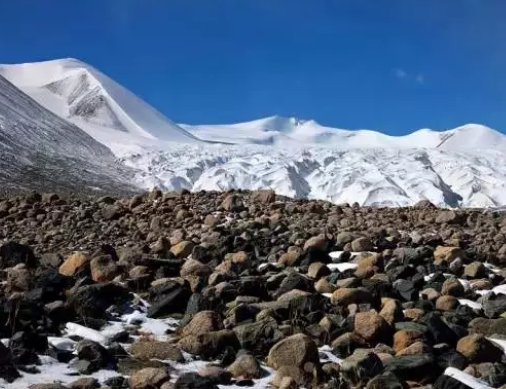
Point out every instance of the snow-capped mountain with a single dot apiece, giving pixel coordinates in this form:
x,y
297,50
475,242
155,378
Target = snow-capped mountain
x,y
279,130
39,149
91,100
465,166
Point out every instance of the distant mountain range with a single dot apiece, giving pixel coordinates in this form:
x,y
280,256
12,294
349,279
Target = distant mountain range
x,y
102,133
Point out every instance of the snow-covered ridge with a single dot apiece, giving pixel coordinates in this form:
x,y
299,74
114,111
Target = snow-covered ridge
x,y
289,131
83,95
36,145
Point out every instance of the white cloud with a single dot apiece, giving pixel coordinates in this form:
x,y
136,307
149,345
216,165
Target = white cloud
x,y
402,74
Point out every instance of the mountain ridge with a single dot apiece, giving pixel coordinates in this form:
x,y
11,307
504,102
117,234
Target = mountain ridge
x,y
465,166
38,148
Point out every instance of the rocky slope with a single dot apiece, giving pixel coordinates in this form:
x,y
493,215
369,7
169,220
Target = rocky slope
x,y
40,150
234,289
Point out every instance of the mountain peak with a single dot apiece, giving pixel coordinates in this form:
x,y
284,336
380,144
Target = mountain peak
x,y
90,99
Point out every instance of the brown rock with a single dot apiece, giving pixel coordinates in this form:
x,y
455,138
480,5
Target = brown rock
x,y
450,217
288,383
430,294
18,279
447,303
414,314
264,196
291,256
416,348
444,254
318,270
362,244
297,374
316,242
475,270
211,221
210,344
424,204
73,263
202,322
292,294
347,343
146,350
161,246
85,383
478,349
232,203
372,327
331,369
192,267
483,284
295,350
215,372
391,311
347,296
405,338
240,258
149,378
324,286
138,271
452,287
103,268
182,249
246,367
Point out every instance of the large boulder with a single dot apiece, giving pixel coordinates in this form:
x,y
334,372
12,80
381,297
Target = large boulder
x,y
92,301
203,322
209,345
296,350
478,349
73,263
372,327
347,296
246,366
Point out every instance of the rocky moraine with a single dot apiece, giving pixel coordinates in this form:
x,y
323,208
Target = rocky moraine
x,y
248,289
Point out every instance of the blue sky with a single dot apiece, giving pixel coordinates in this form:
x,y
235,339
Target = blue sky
x,y
392,65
